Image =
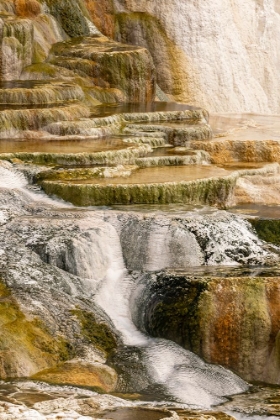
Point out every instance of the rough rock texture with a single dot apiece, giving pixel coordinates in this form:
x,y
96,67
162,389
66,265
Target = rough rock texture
x,y
54,259
16,120
44,318
225,53
222,189
97,375
102,14
29,400
268,230
115,71
146,30
264,400
224,151
16,41
209,191
258,190
71,15
30,8
26,36
162,241
221,55
109,65
229,321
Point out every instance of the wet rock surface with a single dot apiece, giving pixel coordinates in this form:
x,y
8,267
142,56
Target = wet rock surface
x,y
41,401
18,399
72,280
229,321
261,400
53,278
45,313
98,57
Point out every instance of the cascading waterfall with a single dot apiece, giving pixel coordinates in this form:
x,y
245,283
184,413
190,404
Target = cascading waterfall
x,y
97,258
96,279
13,179
184,376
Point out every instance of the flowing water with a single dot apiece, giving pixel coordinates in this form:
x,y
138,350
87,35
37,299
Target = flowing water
x,y
183,376
105,257
167,364
108,259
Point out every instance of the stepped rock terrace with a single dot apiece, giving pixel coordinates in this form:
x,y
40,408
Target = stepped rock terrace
x,y
98,57
38,93
93,296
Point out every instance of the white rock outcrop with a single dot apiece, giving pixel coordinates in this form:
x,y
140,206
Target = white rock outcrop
x,y
227,51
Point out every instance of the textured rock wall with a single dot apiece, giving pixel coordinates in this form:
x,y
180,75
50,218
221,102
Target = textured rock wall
x,y
16,40
102,14
26,36
29,29
229,321
222,54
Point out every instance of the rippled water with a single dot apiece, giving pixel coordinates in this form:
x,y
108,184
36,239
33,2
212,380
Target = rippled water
x,y
245,126
105,110
63,146
258,210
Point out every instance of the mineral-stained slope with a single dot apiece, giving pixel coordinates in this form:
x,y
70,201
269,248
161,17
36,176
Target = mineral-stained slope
x,y
222,55
36,336
70,278
219,54
28,29
233,321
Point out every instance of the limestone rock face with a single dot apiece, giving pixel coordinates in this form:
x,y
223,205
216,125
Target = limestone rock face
x,y
221,55
109,64
225,53
16,38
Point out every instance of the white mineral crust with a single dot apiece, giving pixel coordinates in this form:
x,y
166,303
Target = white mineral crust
x,y
227,50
